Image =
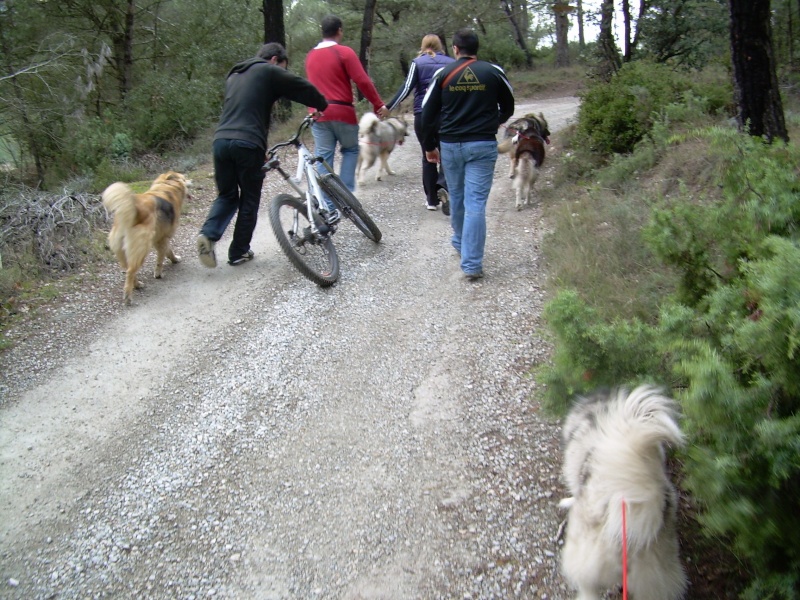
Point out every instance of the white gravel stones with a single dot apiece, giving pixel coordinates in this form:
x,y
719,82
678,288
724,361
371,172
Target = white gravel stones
x,y
377,439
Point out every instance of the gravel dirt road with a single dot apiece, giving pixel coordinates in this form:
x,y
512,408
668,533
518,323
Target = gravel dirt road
x,y
242,433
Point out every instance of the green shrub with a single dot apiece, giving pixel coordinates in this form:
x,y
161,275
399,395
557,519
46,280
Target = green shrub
x,y
743,412
162,111
121,146
728,340
502,50
717,94
614,116
592,352
96,142
109,171
92,143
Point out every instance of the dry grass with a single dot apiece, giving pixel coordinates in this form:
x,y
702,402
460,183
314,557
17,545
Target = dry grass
x,y
596,244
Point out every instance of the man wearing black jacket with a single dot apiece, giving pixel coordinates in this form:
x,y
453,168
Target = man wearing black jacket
x,y
469,99
240,145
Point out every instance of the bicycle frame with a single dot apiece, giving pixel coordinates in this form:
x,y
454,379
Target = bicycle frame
x,y
304,224
305,167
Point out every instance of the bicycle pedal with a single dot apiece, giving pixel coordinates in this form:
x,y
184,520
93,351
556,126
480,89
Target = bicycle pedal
x,y
333,217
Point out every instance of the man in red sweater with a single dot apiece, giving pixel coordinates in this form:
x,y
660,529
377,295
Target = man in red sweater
x,y
332,68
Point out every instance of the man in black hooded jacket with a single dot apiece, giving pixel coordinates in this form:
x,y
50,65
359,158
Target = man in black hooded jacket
x,y
240,144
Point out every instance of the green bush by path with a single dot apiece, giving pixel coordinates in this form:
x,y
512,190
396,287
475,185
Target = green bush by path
x,y
616,115
726,339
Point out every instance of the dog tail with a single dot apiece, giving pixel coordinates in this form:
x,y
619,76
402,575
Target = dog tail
x,y
119,199
629,464
368,123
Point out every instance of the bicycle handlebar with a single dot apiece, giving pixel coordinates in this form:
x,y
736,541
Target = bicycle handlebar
x,y
273,162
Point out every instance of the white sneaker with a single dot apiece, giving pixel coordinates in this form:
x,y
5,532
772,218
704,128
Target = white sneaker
x,y
431,207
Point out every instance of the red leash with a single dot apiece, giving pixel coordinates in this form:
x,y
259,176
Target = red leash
x,y
624,554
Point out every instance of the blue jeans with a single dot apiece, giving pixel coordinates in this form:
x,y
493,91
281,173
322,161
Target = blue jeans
x,y
326,135
239,178
470,171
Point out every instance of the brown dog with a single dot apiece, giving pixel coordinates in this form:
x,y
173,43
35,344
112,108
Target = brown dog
x,y
142,221
525,140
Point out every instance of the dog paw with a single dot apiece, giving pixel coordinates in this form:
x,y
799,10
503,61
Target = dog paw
x,y
175,259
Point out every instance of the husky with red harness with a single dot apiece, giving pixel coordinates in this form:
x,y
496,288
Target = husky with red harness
x,y
525,140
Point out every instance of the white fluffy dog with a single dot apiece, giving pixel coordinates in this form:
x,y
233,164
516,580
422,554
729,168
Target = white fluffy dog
x,y
376,140
614,454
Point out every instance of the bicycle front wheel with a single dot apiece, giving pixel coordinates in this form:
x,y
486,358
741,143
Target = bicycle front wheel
x,y
349,205
312,254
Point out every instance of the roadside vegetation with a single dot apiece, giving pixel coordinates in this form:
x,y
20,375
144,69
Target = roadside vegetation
x,y
674,258
672,250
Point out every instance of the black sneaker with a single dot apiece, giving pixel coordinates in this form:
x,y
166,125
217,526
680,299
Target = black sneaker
x,y
444,200
246,257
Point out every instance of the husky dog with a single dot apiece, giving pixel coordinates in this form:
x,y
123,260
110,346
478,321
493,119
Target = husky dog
x,y
525,140
377,139
614,461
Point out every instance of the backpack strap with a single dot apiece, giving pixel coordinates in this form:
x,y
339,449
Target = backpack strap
x,y
456,71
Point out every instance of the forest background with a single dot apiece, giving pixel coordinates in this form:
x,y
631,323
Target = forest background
x,y
673,256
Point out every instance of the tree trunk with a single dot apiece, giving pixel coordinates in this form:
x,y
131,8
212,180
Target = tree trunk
x,y
581,36
366,36
518,35
643,6
561,10
609,55
28,132
790,34
522,15
274,29
626,17
126,74
366,33
755,80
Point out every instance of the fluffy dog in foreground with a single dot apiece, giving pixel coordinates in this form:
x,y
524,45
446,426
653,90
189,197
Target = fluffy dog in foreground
x,y
142,221
614,452
525,140
377,139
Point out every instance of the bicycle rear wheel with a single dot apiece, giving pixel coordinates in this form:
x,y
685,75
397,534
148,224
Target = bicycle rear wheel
x,y
312,254
349,205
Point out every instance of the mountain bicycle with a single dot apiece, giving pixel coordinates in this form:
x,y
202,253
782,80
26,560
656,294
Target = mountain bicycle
x,y
304,226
